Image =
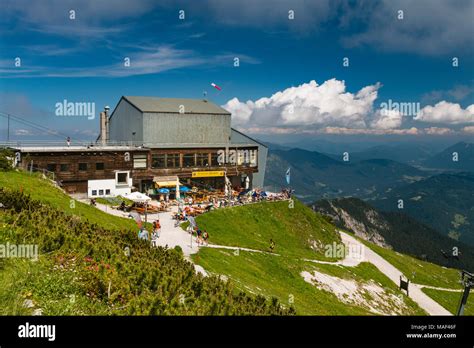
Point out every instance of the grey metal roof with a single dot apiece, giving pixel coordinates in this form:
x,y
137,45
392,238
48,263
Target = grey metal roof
x,y
118,147
172,105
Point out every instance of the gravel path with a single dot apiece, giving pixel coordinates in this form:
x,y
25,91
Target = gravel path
x,y
171,236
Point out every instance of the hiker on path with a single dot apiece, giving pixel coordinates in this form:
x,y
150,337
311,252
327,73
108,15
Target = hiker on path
x,y
205,237
154,239
199,237
272,245
143,234
157,227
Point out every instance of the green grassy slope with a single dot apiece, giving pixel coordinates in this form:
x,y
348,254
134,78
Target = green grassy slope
x,y
38,188
450,300
279,276
83,267
420,272
296,231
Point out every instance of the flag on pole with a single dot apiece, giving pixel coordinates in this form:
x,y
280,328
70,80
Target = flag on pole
x,y
288,176
215,86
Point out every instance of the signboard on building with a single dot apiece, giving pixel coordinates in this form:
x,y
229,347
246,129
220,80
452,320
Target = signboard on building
x,y
207,174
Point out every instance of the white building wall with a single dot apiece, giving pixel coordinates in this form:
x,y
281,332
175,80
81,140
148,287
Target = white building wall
x,y
108,184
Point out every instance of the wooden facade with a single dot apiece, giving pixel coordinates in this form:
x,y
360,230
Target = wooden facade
x,y
73,168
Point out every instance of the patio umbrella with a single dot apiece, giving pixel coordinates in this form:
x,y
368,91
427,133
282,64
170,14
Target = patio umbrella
x,y
138,197
163,191
184,189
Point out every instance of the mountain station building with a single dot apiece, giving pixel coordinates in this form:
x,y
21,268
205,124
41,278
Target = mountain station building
x,y
149,143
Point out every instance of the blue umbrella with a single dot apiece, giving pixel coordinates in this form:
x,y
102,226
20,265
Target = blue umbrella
x,y
184,189
163,190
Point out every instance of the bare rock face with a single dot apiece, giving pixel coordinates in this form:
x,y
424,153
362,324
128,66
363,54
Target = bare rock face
x,y
365,222
364,230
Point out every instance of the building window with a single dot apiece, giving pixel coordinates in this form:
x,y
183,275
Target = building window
x,y
64,167
139,161
82,167
203,160
214,159
172,160
158,161
107,192
99,166
189,160
101,192
51,167
94,192
122,178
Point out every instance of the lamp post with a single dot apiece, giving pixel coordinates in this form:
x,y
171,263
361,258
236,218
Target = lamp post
x,y
468,281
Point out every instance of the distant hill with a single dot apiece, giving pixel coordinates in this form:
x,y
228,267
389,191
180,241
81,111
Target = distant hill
x,y
444,202
444,159
315,175
412,154
397,230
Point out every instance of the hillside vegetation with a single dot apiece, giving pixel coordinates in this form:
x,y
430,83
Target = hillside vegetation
x,y
296,231
315,175
91,263
397,230
300,236
444,202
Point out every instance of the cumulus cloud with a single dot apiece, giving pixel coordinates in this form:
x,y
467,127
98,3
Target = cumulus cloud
x,y
308,105
445,112
438,131
387,119
468,129
341,130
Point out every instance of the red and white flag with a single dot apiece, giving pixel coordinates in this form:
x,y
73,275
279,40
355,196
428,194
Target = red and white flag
x,y
215,86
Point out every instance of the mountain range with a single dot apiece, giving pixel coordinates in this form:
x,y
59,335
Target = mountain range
x,y
396,230
435,191
315,175
445,202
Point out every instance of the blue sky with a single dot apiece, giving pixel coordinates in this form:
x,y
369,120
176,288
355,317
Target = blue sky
x,y
405,60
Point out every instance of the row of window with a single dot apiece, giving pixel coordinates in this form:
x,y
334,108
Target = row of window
x,y
101,192
169,160
172,160
65,167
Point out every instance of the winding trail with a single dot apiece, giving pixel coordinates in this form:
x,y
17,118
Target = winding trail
x,y
424,301
172,236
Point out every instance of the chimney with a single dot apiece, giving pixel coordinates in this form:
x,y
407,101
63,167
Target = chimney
x,y
104,126
107,135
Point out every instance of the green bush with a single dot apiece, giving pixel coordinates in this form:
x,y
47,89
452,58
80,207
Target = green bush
x,y
110,271
6,157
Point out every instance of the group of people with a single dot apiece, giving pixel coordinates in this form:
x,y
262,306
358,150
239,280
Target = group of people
x,y
143,233
202,237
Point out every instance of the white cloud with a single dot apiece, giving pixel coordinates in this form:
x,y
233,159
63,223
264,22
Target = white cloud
x,y
23,132
149,60
328,108
468,129
339,130
438,131
448,113
428,27
308,105
387,119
